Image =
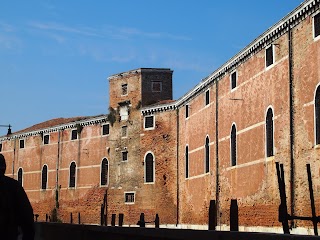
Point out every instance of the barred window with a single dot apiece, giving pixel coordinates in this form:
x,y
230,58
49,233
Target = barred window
x,y
104,172
149,168
207,155
44,177
72,175
233,146
20,176
149,122
269,133
129,197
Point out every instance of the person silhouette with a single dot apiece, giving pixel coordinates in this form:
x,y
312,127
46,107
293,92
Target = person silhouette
x,y
16,213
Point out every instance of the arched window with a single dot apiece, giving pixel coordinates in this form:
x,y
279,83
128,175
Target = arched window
x,y
20,176
72,175
187,161
104,172
44,177
233,145
149,168
269,133
207,155
317,116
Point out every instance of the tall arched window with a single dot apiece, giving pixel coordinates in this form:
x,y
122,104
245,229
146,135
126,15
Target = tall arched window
x,y
72,175
207,155
44,177
269,133
187,161
20,176
149,168
317,116
233,145
104,172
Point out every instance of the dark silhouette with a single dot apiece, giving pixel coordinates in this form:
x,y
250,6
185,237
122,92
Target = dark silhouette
x,y
16,213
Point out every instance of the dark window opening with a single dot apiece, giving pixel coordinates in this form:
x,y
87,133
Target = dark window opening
x,y
129,197
149,122
149,165
207,97
20,173
187,161
156,86
0,147
317,115
46,139
125,156
124,89
233,146
72,177
105,129
21,143
187,111
207,155
104,172
44,177
269,56
316,20
269,133
233,80
74,134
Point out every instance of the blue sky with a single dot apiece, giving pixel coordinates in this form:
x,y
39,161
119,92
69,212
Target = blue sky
x,y
55,56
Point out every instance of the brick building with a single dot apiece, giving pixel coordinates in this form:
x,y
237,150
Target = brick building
x,y
219,141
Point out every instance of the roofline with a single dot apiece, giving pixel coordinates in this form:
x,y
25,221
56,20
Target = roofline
x,y
85,122
139,70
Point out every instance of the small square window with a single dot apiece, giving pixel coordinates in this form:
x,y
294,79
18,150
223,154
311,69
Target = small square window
x,y
46,139
74,134
0,147
124,89
105,129
187,111
129,197
21,143
207,97
233,80
125,156
149,122
269,56
156,86
124,131
316,25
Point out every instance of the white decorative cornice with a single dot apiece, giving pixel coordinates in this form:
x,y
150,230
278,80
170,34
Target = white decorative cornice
x,y
158,108
61,127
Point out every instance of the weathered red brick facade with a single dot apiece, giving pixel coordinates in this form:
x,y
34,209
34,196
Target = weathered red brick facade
x,y
220,141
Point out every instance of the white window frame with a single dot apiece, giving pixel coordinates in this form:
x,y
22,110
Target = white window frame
x,y
48,134
145,168
153,125
134,197
273,56
102,129
75,176
315,38
47,177
236,73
